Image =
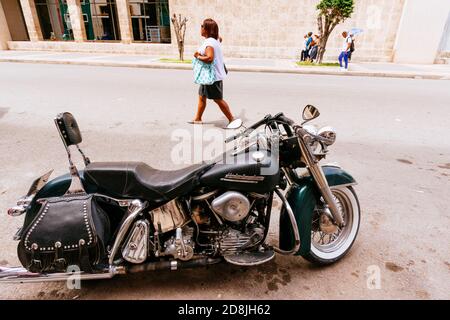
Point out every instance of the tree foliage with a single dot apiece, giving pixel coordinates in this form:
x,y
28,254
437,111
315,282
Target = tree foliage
x,y
330,14
336,8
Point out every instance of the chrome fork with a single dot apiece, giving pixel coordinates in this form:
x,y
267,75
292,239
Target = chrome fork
x,y
319,177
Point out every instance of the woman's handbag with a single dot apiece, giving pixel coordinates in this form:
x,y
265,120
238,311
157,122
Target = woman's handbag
x,y
204,73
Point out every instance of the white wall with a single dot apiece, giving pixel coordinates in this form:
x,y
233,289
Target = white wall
x,y
445,43
5,36
420,32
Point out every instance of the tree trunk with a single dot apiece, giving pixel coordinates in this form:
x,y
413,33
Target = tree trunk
x,y
179,26
326,27
322,50
181,51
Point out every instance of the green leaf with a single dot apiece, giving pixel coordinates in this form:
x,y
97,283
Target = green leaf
x,y
338,9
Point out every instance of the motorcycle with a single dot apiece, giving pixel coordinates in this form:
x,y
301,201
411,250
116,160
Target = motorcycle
x,y
118,218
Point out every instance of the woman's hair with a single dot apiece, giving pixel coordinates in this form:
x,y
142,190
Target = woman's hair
x,y
211,28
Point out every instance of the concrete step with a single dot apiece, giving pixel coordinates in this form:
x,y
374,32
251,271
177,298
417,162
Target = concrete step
x,y
443,58
442,61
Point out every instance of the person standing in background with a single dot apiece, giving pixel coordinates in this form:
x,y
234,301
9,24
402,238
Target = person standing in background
x,y
343,57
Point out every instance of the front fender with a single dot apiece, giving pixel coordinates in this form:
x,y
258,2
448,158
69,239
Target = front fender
x,y
303,196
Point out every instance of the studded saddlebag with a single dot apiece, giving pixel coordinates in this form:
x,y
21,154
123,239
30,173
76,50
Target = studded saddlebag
x,y
71,230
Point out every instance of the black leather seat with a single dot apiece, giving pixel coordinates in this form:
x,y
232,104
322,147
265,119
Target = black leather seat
x,y
139,180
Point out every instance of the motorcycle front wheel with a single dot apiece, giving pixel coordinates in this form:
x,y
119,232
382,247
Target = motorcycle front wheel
x,y
329,247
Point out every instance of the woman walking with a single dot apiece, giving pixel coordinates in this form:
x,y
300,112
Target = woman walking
x,y
211,52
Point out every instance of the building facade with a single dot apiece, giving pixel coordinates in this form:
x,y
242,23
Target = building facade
x,y
394,30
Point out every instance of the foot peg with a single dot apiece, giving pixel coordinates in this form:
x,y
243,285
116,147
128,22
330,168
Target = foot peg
x,y
249,259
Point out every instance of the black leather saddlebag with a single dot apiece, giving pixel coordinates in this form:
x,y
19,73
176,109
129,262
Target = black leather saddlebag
x,y
71,230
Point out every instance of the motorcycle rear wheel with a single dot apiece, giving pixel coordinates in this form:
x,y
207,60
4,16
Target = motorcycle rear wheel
x,y
329,248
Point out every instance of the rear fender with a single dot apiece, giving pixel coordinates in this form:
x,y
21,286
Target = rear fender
x,y
303,197
54,188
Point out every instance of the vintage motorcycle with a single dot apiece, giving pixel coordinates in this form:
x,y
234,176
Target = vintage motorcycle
x,y
127,217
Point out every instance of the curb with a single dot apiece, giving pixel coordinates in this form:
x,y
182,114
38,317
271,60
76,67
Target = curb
x,y
295,70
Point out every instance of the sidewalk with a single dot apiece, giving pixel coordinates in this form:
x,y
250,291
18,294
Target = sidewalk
x,y
436,72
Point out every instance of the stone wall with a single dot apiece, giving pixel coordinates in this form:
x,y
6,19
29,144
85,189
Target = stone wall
x,y
275,28
250,28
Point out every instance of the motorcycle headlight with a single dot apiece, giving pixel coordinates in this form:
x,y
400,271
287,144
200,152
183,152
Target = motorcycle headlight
x,y
329,135
312,130
313,143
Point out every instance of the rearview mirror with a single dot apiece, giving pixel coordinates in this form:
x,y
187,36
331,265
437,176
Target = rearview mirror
x,y
310,113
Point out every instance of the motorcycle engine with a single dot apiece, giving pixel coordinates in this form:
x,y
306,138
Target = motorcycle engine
x,y
232,206
230,222
232,241
221,223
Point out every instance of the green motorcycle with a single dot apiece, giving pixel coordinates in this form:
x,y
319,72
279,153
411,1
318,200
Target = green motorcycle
x,y
116,218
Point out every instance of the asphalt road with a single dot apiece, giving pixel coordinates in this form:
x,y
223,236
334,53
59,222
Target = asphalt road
x,y
392,136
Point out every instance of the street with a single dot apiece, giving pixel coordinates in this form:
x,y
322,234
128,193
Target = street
x,y
392,137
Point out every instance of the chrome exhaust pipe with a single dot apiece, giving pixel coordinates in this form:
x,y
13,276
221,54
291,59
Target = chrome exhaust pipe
x,y
173,265
22,275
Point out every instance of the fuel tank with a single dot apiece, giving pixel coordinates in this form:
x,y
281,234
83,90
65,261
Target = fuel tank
x,y
253,171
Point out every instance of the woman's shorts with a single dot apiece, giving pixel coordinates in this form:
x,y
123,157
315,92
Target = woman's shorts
x,y
213,92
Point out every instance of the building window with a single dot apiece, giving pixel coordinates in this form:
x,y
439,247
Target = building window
x,y
150,20
54,19
101,20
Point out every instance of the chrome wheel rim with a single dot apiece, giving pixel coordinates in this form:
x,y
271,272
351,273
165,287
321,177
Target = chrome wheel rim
x,y
331,246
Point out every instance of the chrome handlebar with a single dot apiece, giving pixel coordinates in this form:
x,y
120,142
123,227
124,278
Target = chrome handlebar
x,y
280,118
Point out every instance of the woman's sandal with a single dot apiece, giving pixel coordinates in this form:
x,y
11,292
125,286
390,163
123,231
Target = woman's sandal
x,y
195,122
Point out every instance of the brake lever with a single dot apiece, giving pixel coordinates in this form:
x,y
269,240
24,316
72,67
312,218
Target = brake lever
x,y
237,136
249,130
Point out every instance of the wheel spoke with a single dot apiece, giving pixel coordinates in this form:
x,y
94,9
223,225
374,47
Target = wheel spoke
x,y
333,237
322,235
